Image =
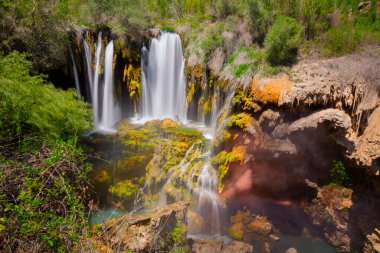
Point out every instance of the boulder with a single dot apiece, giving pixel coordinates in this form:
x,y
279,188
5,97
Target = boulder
x,y
260,225
335,118
169,123
214,246
196,223
291,250
374,240
145,232
154,32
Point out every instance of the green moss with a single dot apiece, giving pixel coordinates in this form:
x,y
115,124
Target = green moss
x,y
186,131
241,69
124,189
236,231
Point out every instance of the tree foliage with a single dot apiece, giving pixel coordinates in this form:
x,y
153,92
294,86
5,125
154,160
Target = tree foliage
x,y
43,173
282,40
30,105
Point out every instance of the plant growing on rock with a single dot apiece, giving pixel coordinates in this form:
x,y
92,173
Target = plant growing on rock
x,y
224,159
179,238
339,173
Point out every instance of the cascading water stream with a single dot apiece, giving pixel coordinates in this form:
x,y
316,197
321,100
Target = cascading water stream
x,y
164,86
88,58
202,183
75,72
102,97
95,100
110,110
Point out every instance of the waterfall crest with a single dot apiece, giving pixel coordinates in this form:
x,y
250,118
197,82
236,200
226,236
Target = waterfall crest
x,y
163,80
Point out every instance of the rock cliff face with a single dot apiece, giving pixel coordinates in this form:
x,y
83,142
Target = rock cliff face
x,y
320,105
292,127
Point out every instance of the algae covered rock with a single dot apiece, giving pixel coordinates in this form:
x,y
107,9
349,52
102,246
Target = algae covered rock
x,y
246,225
260,225
169,123
236,231
125,189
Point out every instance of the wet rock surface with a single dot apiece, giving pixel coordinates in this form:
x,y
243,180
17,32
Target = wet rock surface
x,y
150,232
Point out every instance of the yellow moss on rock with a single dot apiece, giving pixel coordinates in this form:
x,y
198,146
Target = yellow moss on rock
x,y
236,231
124,189
260,225
102,176
169,123
270,90
242,120
224,159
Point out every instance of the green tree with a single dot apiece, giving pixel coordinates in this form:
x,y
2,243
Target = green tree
x,y
30,105
339,173
282,40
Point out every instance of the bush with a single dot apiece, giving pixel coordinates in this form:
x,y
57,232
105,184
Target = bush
x,y
339,173
30,105
179,238
282,40
341,40
43,172
42,199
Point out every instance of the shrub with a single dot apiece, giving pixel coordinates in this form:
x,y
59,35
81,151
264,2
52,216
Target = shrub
x,y
179,238
341,40
31,105
282,40
43,199
339,173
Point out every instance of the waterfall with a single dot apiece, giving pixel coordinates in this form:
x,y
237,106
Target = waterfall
x,y
101,97
164,86
208,203
145,98
88,58
75,72
110,110
202,184
95,99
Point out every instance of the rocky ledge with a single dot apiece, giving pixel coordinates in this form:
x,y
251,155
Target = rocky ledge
x,y
149,232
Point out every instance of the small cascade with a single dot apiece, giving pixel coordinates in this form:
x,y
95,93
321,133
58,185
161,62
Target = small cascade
x,y
145,105
100,94
95,100
164,90
75,72
110,110
201,182
88,58
208,203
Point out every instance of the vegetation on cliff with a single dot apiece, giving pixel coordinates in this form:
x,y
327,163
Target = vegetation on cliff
x,y
43,173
